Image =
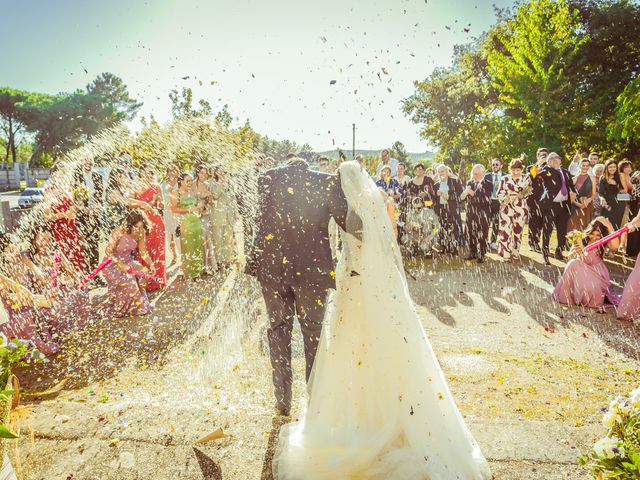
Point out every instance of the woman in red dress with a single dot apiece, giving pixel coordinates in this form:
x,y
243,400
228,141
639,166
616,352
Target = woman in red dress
x,y
62,223
151,194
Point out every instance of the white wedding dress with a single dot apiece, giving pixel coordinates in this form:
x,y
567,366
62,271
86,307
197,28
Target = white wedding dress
x,y
379,405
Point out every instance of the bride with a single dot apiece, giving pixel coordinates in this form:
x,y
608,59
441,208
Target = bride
x,y
379,405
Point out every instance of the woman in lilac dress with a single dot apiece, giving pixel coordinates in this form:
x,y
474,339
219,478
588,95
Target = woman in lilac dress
x,y
629,306
26,311
57,279
585,280
126,295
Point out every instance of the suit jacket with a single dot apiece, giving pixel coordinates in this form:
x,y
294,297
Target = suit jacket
x,y
91,225
224,209
480,203
489,178
455,189
98,184
292,243
551,184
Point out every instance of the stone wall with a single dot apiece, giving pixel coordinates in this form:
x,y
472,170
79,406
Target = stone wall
x,y
12,174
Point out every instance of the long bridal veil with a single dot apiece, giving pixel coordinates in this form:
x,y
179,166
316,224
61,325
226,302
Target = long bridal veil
x,y
379,405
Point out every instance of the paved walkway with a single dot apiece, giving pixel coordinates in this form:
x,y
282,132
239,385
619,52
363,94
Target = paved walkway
x,y
528,375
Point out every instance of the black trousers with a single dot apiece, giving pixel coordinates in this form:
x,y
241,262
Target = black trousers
x,y
90,229
633,239
535,223
557,216
477,229
494,219
284,303
448,233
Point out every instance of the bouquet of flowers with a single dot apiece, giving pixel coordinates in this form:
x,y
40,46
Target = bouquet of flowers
x,y
574,237
81,194
13,353
617,455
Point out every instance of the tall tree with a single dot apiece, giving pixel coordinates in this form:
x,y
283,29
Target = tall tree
x,y
611,60
533,62
63,122
182,104
10,120
455,106
627,124
114,91
223,117
398,151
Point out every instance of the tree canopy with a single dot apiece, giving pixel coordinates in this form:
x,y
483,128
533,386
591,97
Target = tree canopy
x,y
553,73
55,124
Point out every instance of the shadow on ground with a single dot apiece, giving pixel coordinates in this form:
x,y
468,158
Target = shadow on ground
x,y
446,281
103,347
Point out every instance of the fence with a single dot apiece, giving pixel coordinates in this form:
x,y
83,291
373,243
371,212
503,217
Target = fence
x,y
15,176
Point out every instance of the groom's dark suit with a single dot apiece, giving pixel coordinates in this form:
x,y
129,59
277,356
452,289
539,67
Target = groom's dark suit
x,y
292,260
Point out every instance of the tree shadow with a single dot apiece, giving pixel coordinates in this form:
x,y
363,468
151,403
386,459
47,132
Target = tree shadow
x,y
528,283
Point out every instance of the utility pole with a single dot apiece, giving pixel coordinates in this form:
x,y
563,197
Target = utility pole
x,y
353,151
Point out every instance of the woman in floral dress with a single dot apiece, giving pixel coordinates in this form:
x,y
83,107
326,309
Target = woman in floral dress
x,y
512,193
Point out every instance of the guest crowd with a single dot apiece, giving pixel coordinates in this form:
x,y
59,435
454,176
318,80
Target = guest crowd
x,y
125,232
436,211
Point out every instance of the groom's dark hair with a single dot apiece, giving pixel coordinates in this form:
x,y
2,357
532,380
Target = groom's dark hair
x,y
291,155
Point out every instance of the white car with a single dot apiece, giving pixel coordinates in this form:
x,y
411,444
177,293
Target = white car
x,y
30,196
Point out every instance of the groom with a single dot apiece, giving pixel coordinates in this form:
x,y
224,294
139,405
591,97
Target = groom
x,y
292,260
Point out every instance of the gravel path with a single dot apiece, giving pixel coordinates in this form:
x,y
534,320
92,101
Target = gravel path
x,y
528,375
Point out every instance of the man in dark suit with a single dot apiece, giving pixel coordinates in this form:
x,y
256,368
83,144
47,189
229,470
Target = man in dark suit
x,y
535,214
88,188
495,177
292,260
557,195
478,196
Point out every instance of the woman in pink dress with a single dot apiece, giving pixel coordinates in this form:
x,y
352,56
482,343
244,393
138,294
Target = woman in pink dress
x,y
156,238
585,280
629,306
26,311
56,278
126,296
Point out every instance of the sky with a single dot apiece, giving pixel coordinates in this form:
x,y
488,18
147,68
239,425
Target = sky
x,y
272,62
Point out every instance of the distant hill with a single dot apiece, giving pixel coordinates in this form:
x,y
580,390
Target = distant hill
x,y
413,157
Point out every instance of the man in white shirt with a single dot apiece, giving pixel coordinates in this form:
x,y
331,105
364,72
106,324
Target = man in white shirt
x,y
387,160
558,194
323,164
594,159
574,166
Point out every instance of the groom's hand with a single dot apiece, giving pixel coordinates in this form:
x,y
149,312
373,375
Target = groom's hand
x,y
354,224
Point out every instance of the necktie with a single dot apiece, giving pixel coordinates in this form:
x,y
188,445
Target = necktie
x,y
563,190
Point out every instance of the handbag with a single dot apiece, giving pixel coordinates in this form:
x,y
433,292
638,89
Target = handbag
x,y
623,197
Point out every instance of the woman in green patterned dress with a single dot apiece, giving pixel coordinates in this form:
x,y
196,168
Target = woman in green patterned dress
x,y
186,204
